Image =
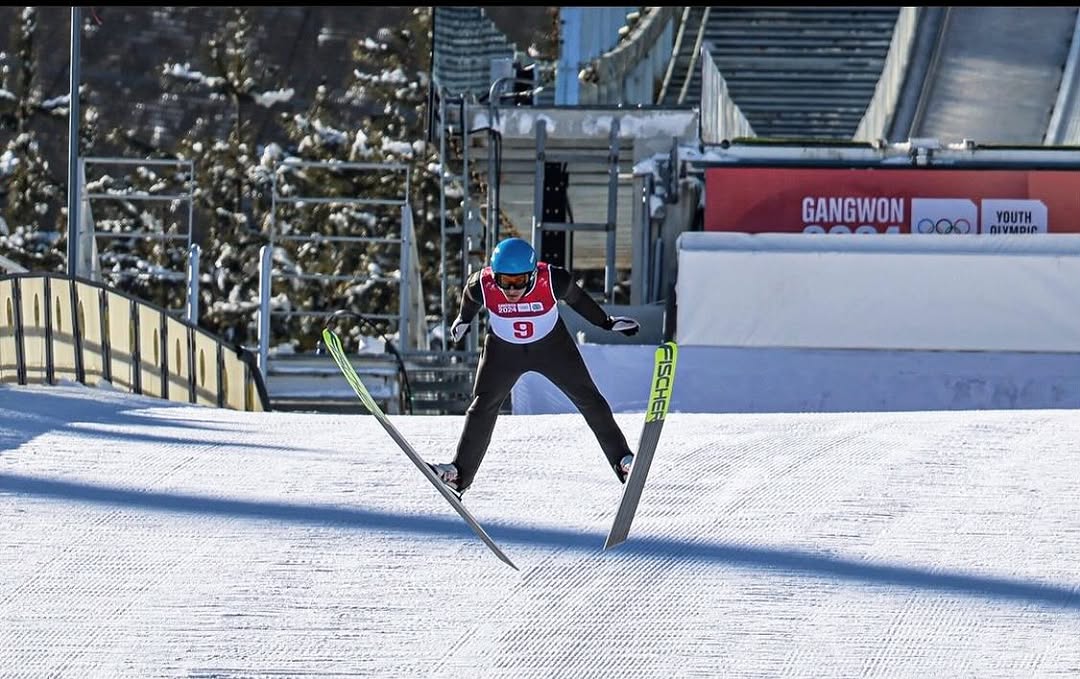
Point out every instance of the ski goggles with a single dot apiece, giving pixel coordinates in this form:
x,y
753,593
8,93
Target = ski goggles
x,y
513,281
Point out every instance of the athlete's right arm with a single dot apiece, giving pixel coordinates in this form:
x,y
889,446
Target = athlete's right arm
x,y
470,306
471,298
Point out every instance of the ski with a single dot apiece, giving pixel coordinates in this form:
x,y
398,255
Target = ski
x,y
659,399
333,345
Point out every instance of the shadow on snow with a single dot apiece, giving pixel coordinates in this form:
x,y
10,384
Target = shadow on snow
x,y
26,413
788,560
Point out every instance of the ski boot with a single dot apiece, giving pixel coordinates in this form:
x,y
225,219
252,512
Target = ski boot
x,y
448,474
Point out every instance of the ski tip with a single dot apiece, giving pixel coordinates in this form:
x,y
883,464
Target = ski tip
x,y
612,542
509,563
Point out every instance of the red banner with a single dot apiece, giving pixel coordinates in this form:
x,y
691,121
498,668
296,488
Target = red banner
x,y
919,201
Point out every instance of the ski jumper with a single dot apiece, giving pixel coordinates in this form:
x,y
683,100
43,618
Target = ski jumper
x,y
525,336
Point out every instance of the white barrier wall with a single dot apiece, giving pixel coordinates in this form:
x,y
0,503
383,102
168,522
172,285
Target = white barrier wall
x,y
747,380
797,323
902,291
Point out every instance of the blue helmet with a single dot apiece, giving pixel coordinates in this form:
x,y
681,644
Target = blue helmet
x,y
513,256
513,263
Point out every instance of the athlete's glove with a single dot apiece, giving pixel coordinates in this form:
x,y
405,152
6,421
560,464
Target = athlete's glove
x,y
458,330
623,324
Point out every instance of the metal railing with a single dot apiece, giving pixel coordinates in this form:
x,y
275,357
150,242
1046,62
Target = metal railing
x,y
87,228
695,56
407,318
608,159
676,49
453,123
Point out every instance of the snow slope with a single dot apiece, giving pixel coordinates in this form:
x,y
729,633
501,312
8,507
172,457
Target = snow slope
x,y
140,538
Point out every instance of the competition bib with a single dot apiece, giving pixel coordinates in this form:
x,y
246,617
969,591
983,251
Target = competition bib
x,y
527,320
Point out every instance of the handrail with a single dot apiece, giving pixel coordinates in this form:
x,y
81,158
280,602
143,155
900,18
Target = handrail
x,y
694,56
675,49
335,317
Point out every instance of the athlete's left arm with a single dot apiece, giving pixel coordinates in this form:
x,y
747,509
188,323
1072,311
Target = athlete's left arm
x,y
562,282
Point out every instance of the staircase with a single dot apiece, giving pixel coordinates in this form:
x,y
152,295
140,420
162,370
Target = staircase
x,y
795,72
439,383
314,383
465,42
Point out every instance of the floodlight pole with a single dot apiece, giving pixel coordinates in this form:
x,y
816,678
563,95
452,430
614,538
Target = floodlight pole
x,y
73,145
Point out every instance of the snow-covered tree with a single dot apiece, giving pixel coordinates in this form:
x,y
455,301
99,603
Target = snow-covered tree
x,y
33,194
378,118
232,183
30,194
391,83
323,275
377,115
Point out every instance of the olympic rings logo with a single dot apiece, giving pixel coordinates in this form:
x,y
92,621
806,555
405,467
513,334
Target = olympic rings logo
x,y
943,226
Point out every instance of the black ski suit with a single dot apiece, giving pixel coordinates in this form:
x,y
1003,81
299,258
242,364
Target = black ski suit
x,y
555,356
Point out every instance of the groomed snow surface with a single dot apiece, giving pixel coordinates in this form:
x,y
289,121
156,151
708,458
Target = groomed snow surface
x,y
140,538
